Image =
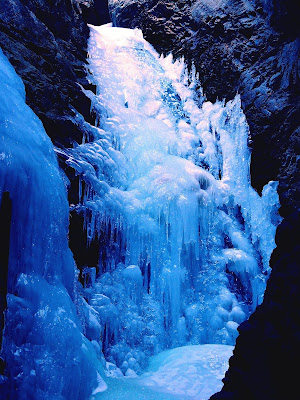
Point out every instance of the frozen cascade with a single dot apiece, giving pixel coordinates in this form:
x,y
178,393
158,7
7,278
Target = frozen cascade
x,y
165,188
45,353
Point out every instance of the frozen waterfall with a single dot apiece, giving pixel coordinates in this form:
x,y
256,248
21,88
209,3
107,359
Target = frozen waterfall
x,y
185,240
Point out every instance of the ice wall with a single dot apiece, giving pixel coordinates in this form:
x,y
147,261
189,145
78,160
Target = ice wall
x,y
185,241
45,353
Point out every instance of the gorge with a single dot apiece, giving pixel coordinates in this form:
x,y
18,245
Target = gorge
x,y
171,243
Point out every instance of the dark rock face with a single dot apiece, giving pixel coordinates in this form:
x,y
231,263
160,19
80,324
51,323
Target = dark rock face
x,y
251,47
48,51
95,12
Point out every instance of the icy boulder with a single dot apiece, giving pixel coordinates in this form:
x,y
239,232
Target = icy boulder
x,y
45,353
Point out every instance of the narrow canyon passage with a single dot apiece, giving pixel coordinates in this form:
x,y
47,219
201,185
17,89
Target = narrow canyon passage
x,y
184,240
149,151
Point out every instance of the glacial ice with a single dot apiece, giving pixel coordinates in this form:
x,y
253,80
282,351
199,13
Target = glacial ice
x,y
45,353
165,180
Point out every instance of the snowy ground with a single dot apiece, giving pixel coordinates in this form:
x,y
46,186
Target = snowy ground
x,y
185,373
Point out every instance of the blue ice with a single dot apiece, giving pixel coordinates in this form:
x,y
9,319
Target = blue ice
x,y
45,352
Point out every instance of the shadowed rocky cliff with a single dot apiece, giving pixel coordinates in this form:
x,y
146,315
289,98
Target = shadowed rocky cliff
x,y
46,43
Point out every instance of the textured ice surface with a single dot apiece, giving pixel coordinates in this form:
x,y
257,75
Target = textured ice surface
x,y
185,240
45,352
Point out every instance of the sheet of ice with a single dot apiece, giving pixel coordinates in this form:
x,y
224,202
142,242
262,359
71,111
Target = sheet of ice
x,y
184,240
45,352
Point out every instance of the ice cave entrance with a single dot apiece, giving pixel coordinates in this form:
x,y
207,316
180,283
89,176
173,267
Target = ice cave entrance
x,y
185,240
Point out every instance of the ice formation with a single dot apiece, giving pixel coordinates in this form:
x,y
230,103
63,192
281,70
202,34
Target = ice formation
x,y
45,353
164,186
185,240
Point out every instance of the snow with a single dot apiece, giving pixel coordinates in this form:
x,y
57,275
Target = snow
x,y
185,373
189,372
